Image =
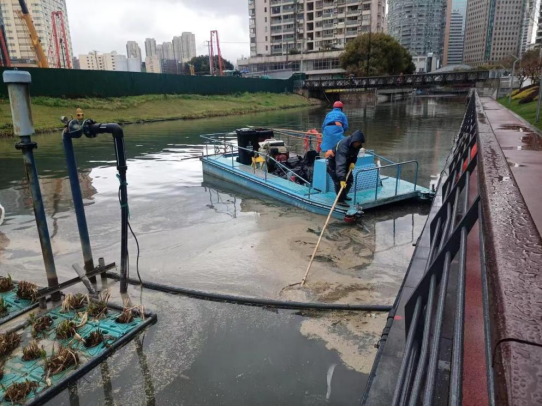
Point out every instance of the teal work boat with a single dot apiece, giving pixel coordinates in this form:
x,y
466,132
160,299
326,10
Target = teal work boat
x,y
258,160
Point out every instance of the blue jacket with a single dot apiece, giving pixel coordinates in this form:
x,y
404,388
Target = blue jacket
x,y
331,133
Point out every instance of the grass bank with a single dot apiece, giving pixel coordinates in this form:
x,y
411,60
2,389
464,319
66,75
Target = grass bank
x,y
526,110
139,109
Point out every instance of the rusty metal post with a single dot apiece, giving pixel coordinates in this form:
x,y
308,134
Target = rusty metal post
x,y
18,83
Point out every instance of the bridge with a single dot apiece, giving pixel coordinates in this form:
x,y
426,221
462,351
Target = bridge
x,y
466,327
399,81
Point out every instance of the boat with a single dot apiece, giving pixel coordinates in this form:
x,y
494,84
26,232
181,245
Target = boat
x,y
260,160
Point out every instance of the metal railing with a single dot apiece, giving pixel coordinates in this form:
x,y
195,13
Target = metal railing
x,y
378,171
398,80
221,146
436,300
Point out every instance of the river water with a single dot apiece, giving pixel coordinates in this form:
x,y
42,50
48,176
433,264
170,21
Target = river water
x,y
214,238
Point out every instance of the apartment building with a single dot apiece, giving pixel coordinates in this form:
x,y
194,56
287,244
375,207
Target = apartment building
x,y
418,25
150,47
112,61
18,39
153,64
133,51
494,30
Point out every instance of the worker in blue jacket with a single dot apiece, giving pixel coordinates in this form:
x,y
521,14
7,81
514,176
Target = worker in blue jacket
x,y
342,161
333,128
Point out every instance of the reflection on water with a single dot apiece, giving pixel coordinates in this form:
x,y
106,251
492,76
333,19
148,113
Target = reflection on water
x,y
219,238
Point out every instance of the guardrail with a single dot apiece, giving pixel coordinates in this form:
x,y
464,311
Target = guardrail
x,y
399,80
436,299
378,170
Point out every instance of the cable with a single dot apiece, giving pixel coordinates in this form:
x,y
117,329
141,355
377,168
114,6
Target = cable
x,y
137,244
257,302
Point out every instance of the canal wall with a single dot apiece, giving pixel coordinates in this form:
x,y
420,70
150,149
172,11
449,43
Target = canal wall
x,y
74,83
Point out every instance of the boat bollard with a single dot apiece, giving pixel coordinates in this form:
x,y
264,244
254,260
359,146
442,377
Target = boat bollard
x,y
18,83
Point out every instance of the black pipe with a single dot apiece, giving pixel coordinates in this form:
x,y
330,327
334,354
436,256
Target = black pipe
x,y
92,129
256,302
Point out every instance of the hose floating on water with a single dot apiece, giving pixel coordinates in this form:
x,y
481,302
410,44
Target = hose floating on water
x,y
256,302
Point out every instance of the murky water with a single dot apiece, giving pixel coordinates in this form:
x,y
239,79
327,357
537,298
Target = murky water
x,y
214,238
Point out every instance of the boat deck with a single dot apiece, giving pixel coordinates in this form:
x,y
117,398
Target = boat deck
x,y
391,190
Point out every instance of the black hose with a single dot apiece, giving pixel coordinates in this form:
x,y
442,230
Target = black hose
x,y
257,302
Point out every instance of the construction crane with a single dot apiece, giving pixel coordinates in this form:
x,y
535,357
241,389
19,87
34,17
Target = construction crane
x,y
4,52
212,63
61,42
24,14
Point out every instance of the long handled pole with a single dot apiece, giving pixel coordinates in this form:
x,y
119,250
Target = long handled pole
x,y
323,230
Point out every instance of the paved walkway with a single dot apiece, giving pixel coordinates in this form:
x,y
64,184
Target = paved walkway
x,y
522,147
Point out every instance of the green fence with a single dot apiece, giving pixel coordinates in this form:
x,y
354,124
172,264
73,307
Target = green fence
x,y
73,83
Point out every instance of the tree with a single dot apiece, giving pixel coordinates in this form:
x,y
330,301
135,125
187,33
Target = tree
x,y
201,64
531,64
376,55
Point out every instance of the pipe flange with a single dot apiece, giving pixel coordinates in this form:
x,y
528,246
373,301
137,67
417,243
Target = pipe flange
x,y
26,145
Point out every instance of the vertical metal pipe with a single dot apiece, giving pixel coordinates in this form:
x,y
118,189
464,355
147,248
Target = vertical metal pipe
x,y
19,97
397,179
122,168
408,352
377,183
432,370
77,197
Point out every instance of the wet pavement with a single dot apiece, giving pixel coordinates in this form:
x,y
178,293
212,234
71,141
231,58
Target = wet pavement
x,y
209,237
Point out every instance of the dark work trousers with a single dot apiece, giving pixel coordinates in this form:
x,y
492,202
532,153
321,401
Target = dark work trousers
x,y
337,182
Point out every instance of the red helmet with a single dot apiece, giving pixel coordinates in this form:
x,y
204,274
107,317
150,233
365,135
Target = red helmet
x,y
338,104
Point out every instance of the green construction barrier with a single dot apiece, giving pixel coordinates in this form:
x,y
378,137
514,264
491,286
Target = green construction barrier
x,y
74,83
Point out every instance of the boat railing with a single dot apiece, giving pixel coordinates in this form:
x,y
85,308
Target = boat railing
x,y
379,170
232,147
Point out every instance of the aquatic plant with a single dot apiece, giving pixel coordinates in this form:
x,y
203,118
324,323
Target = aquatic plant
x,y
8,342
41,324
98,308
72,302
32,351
61,360
27,291
3,306
6,284
126,317
65,330
18,392
94,339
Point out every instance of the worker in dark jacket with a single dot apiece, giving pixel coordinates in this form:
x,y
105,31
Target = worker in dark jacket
x,y
345,155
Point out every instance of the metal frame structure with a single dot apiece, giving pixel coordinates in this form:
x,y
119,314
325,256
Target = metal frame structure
x,y
57,52
214,35
432,298
394,81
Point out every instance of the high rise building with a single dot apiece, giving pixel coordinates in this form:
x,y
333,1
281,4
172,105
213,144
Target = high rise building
x,y
530,24
188,46
19,43
307,36
150,47
418,25
159,52
494,30
167,51
454,37
133,51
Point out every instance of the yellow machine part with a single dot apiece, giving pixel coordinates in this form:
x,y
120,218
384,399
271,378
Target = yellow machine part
x,y
40,55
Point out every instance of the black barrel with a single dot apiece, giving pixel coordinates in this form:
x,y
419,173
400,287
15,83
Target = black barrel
x,y
250,137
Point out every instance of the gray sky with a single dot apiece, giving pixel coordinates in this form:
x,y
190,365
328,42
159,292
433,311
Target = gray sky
x,y
106,25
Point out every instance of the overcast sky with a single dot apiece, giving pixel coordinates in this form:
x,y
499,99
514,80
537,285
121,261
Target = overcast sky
x,y
106,25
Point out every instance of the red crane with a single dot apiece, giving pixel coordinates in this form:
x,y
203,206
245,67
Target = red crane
x,y
61,42
212,62
4,52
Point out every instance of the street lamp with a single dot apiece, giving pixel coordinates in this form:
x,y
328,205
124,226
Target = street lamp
x,y
512,78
